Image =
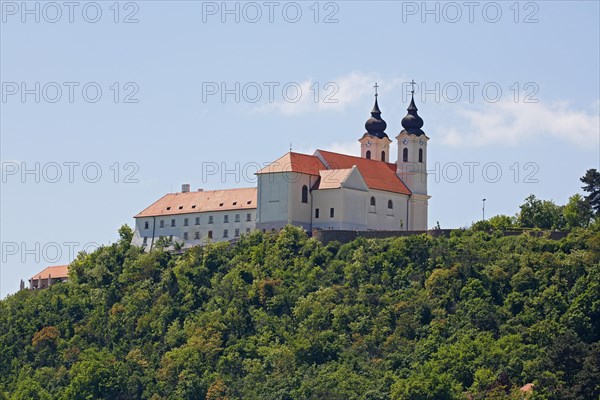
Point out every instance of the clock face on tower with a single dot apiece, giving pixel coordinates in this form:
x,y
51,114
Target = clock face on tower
x,y
421,142
368,143
405,141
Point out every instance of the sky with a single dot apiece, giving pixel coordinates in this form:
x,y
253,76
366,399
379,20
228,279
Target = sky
x,y
106,106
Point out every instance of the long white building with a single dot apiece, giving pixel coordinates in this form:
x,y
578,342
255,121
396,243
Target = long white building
x,y
324,190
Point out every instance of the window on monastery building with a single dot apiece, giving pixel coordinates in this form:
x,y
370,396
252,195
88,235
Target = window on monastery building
x,y
185,236
197,220
390,204
210,219
420,155
316,213
368,154
210,234
225,218
236,233
146,225
173,222
383,156
225,233
331,213
196,235
405,154
305,194
248,217
162,223
145,240
185,222
237,217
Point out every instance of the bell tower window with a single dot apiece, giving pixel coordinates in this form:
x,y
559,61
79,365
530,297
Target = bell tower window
x,y
405,155
368,154
420,155
383,156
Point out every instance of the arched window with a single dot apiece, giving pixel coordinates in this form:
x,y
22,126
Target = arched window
x,y
373,201
368,154
383,156
304,194
390,204
405,155
420,155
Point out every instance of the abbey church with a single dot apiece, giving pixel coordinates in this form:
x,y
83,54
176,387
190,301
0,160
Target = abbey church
x,y
323,190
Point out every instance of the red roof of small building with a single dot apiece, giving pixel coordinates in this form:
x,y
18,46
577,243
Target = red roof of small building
x,y
56,271
377,174
295,162
209,200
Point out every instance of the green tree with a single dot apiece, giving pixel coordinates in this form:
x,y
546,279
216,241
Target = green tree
x,y
578,212
543,214
591,179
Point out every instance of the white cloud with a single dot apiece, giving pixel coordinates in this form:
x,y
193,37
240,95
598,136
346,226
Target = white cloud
x,y
334,95
511,123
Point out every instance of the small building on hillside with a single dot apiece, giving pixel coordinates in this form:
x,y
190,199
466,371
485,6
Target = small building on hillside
x,y
49,276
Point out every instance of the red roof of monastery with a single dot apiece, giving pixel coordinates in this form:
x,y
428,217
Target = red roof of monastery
x,y
377,174
332,178
56,271
209,200
295,162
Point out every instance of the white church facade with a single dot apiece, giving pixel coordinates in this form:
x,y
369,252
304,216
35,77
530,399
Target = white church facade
x,y
323,190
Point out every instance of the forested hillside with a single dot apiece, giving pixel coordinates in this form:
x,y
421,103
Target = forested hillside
x,y
281,316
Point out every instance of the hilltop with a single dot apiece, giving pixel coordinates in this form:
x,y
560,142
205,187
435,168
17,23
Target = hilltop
x,y
282,316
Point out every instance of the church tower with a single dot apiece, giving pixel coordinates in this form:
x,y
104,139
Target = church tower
x,y
412,164
375,143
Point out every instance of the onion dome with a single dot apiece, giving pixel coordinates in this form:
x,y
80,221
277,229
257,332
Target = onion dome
x,y
375,125
412,123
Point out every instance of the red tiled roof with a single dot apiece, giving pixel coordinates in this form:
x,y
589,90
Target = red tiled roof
x,y
331,178
377,174
295,162
210,200
56,271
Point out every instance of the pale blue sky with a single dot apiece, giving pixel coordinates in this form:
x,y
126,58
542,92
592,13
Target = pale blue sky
x,y
174,134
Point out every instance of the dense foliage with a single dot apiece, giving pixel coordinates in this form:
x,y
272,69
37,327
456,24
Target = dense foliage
x,y
282,316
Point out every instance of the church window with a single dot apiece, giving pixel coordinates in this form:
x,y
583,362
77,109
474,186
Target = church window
x,y
331,212
420,155
373,201
383,156
316,213
368,154
390,204
405,155
305,194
